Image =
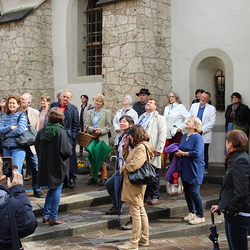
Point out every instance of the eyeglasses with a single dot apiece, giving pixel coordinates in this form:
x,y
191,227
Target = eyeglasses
x,y
171,96
66,97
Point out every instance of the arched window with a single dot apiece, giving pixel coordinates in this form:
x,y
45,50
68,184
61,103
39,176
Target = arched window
x,y
220,91
94,39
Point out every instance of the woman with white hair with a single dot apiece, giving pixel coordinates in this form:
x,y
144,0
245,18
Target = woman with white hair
x,y
191,151
126,110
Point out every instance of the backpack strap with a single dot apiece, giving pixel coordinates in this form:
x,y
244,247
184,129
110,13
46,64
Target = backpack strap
x,y
16,244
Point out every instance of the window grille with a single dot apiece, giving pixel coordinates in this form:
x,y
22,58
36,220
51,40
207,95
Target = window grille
x,y
94,39
220,91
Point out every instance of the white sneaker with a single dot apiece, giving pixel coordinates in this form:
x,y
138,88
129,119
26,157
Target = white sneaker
x,y
143,244
127,246
197,220
189,217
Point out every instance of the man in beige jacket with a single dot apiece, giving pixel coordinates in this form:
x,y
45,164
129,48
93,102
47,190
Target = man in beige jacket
x,y
156,127
31,156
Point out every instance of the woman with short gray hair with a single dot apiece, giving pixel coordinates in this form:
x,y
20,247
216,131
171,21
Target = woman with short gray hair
x,y
176,115
126,110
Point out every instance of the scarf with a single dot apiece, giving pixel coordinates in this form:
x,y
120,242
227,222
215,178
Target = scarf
x,y
228,157
51,130
233,112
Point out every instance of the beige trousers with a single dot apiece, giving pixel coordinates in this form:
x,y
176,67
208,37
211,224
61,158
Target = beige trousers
x,y
140,229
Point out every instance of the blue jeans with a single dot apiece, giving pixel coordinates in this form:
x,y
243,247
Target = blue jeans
x,y
110,187
193,198
236,229
52,203
33,163
18,156
154,189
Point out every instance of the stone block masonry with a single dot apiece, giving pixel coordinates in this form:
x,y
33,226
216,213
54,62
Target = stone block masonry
x,y
136,50
26,55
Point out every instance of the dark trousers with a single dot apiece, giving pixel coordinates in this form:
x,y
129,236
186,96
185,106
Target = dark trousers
x,y
236,229
82,128
154,189
175,139
206,155
32,160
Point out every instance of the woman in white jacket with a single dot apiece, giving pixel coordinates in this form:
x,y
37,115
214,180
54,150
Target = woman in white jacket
x,y
176,116
126,110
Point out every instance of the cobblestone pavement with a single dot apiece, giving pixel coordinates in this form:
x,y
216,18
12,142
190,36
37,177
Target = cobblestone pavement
x,y
85,242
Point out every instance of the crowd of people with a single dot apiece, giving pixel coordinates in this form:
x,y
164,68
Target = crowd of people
x,y
136,126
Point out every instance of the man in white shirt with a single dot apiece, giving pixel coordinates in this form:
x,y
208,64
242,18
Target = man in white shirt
x,y
207,114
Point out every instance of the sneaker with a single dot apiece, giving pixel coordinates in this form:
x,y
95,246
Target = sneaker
x,y
143,244
197,220
189,217
38,194
127,246
111,211
127,226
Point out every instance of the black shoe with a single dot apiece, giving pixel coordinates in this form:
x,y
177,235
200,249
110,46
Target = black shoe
x,y
80,154
112,211
127,226
91,181
72,181
38,194
102,182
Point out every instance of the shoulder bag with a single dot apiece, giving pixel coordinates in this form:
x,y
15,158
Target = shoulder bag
x,y
28,137
174,189
146,175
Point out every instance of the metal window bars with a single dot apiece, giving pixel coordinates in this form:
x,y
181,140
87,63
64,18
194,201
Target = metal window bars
x,y
93,39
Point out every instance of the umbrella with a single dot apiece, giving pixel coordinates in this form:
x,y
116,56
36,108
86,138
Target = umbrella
x,y
164,154
118,179
98,151
214,235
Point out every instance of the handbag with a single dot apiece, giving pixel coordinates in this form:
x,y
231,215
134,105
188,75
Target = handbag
x,y
28,137
146,175
175,189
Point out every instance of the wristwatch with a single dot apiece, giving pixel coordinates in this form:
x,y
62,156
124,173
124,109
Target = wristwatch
x,y
183,154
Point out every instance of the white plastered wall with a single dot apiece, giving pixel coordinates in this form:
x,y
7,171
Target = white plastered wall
x,y
203,29
65,50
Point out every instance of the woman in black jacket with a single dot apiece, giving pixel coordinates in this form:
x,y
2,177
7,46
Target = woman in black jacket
x,y
235,192
53,149
237,115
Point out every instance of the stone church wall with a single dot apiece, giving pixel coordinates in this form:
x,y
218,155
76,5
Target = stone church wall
x,y
26,55
136,50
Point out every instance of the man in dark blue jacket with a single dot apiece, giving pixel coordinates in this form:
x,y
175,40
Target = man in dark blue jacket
x,y
25,219
71,124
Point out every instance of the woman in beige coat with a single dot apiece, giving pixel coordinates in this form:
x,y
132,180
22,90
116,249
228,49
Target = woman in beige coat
x,y
99,122
134,194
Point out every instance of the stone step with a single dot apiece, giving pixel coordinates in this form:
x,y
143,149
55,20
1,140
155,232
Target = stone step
x,y
84,219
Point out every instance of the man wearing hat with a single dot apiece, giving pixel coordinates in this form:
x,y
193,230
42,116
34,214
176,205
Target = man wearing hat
x,y
82,113
139,107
